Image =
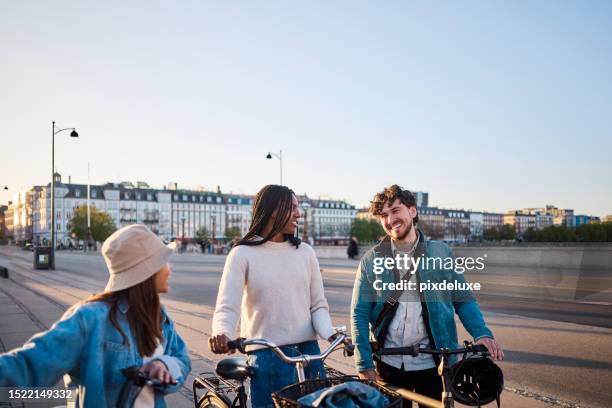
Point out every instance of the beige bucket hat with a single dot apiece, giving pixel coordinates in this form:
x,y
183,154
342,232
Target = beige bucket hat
x,y
133,254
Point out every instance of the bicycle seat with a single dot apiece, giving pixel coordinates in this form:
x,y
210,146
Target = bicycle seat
x,y
234,368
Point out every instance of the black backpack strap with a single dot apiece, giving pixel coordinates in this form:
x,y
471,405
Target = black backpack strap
x,y
391,304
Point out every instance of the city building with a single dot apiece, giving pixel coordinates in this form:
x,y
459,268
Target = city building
x,y
3,231
172,213
431,222
328,221
239,212
125,203
521,221
194,210
608,218
560,216
492,220
422,198
364,214
476,224
456,225
586,219
542,216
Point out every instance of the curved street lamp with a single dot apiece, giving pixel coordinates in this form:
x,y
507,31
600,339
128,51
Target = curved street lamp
x,y
279,156
54,132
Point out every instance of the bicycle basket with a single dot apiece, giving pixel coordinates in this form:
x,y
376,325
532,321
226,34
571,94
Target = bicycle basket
x,y
288,396
476,381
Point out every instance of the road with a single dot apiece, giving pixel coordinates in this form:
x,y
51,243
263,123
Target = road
x,y
556,350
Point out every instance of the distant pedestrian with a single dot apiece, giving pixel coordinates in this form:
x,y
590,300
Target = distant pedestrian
x,y
353,249
122,327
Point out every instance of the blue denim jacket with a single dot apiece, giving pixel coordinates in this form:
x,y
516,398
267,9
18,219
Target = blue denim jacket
x,y
86,346
440,306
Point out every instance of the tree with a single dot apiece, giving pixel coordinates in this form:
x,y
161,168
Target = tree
x,y
102,225
366,230
501,233
202,238
232,232
507,232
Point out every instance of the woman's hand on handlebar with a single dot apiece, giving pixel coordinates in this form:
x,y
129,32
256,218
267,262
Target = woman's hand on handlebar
x,y
348,343
218,344
492,346
156,370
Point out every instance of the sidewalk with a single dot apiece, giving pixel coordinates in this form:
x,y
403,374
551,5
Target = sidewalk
x,y
29,303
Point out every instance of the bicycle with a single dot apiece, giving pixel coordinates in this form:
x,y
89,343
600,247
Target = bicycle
x,y
226,389
466,385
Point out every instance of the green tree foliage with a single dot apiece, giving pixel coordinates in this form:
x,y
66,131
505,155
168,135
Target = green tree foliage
x,y
502,233
232,232
366,230
102,225
201,236
560,233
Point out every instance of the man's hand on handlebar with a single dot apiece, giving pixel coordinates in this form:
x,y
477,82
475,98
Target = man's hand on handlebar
x,y
492,346
218,344
370,375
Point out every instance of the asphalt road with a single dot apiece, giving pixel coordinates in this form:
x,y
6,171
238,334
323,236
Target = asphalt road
x,y
561,350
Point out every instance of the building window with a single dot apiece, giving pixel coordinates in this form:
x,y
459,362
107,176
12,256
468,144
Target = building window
x,y
94,193
77,193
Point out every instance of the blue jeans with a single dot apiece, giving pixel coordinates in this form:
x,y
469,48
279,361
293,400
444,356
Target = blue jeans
x,y
272,374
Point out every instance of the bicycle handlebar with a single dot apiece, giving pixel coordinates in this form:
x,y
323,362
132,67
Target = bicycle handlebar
x,y
415,350
141,379
241,343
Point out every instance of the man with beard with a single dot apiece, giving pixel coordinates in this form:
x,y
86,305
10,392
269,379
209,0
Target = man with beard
x,y
401,319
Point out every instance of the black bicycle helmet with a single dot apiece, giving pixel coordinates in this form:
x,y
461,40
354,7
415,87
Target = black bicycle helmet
x,y
476,381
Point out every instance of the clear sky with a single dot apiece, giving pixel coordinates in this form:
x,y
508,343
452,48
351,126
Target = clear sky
x,y
484,104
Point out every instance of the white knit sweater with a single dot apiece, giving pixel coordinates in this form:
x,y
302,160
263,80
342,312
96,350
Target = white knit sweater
x,y
276,291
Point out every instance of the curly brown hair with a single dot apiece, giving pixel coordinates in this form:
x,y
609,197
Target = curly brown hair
x,y
389,195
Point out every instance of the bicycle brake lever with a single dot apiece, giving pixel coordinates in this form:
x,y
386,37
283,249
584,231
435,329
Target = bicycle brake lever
x,y
349,350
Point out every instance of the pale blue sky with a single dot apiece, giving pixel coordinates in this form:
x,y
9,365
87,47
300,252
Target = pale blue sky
x,y
484,104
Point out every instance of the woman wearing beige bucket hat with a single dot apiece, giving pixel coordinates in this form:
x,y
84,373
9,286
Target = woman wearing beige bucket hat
x,y
125,326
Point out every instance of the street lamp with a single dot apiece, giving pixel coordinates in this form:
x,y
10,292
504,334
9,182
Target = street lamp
x,y
54,132
279,156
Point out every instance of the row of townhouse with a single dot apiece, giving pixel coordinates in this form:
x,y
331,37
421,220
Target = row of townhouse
x,y
169,212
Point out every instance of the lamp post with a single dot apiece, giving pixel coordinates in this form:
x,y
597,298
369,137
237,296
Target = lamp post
x,y
279,156
54,132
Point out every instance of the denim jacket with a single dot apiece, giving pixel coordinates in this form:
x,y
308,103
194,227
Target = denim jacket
x,y
89,349
439,307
